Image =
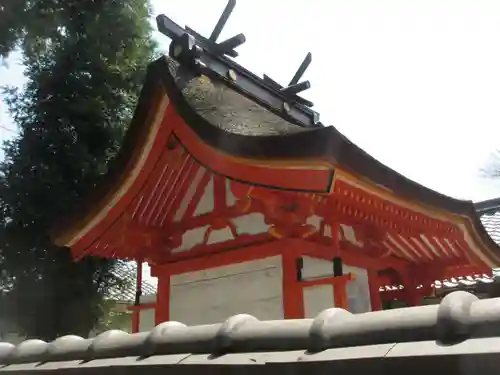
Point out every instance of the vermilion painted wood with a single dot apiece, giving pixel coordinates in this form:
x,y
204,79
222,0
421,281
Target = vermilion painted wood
x,y
155,153
196,197
293,293
350,203
140,224
186,183
162,312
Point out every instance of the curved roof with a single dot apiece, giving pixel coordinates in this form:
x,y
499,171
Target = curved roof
x,y
237,127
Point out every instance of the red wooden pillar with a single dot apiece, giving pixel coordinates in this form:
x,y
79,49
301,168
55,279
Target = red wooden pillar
x,y
162,312
340,294
374,285
338,283
293,295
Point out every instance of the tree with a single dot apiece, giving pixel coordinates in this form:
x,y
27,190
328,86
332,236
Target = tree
x,y
85,63
492,168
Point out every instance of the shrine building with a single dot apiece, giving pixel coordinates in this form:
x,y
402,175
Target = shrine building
x,y
241,201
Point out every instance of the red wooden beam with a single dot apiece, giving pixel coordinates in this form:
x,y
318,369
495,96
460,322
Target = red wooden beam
x,y
162,311
183,188
188,215
171,190
353,255
367,207
163,188
220,254
293,293
317,177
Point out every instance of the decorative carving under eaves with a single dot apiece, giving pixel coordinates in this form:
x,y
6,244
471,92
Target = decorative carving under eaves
x,y
286,212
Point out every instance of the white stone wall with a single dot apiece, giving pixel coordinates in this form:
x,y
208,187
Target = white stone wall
x,y
251,224
146,320
318,298
358,290
147,316
213,295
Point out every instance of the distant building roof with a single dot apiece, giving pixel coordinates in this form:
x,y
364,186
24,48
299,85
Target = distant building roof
x,y
489,213
127,271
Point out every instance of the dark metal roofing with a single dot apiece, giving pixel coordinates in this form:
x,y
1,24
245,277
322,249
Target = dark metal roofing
x,y
460,325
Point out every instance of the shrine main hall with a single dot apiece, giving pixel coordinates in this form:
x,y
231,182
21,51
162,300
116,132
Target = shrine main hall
x,y
241,201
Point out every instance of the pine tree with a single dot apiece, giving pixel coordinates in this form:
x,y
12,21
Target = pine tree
x,y
85,62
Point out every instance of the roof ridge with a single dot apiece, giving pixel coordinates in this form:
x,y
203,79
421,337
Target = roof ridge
x,y
459,316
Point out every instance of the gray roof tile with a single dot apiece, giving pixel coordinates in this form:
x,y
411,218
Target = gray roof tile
x,y
127,271
443,328
491,222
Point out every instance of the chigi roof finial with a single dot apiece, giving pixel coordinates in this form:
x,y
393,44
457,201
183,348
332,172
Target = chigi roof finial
x,y
206,56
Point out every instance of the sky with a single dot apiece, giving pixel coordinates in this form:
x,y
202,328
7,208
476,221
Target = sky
x,y
415,83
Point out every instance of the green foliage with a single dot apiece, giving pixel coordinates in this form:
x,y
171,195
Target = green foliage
x,y
85,62
492,167
115,315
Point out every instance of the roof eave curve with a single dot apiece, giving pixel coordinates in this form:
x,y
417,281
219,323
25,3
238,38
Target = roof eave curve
x,y
324,143
149,101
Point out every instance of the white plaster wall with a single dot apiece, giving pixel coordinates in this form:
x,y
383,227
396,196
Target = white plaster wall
x,y
206,203
348,233
317,298
213,295
314,268
189,194
148,298
230,198
146,320
251,224
358,291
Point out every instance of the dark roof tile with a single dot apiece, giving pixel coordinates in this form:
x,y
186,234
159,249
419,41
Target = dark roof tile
x,y
127,272
491,222
459,317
